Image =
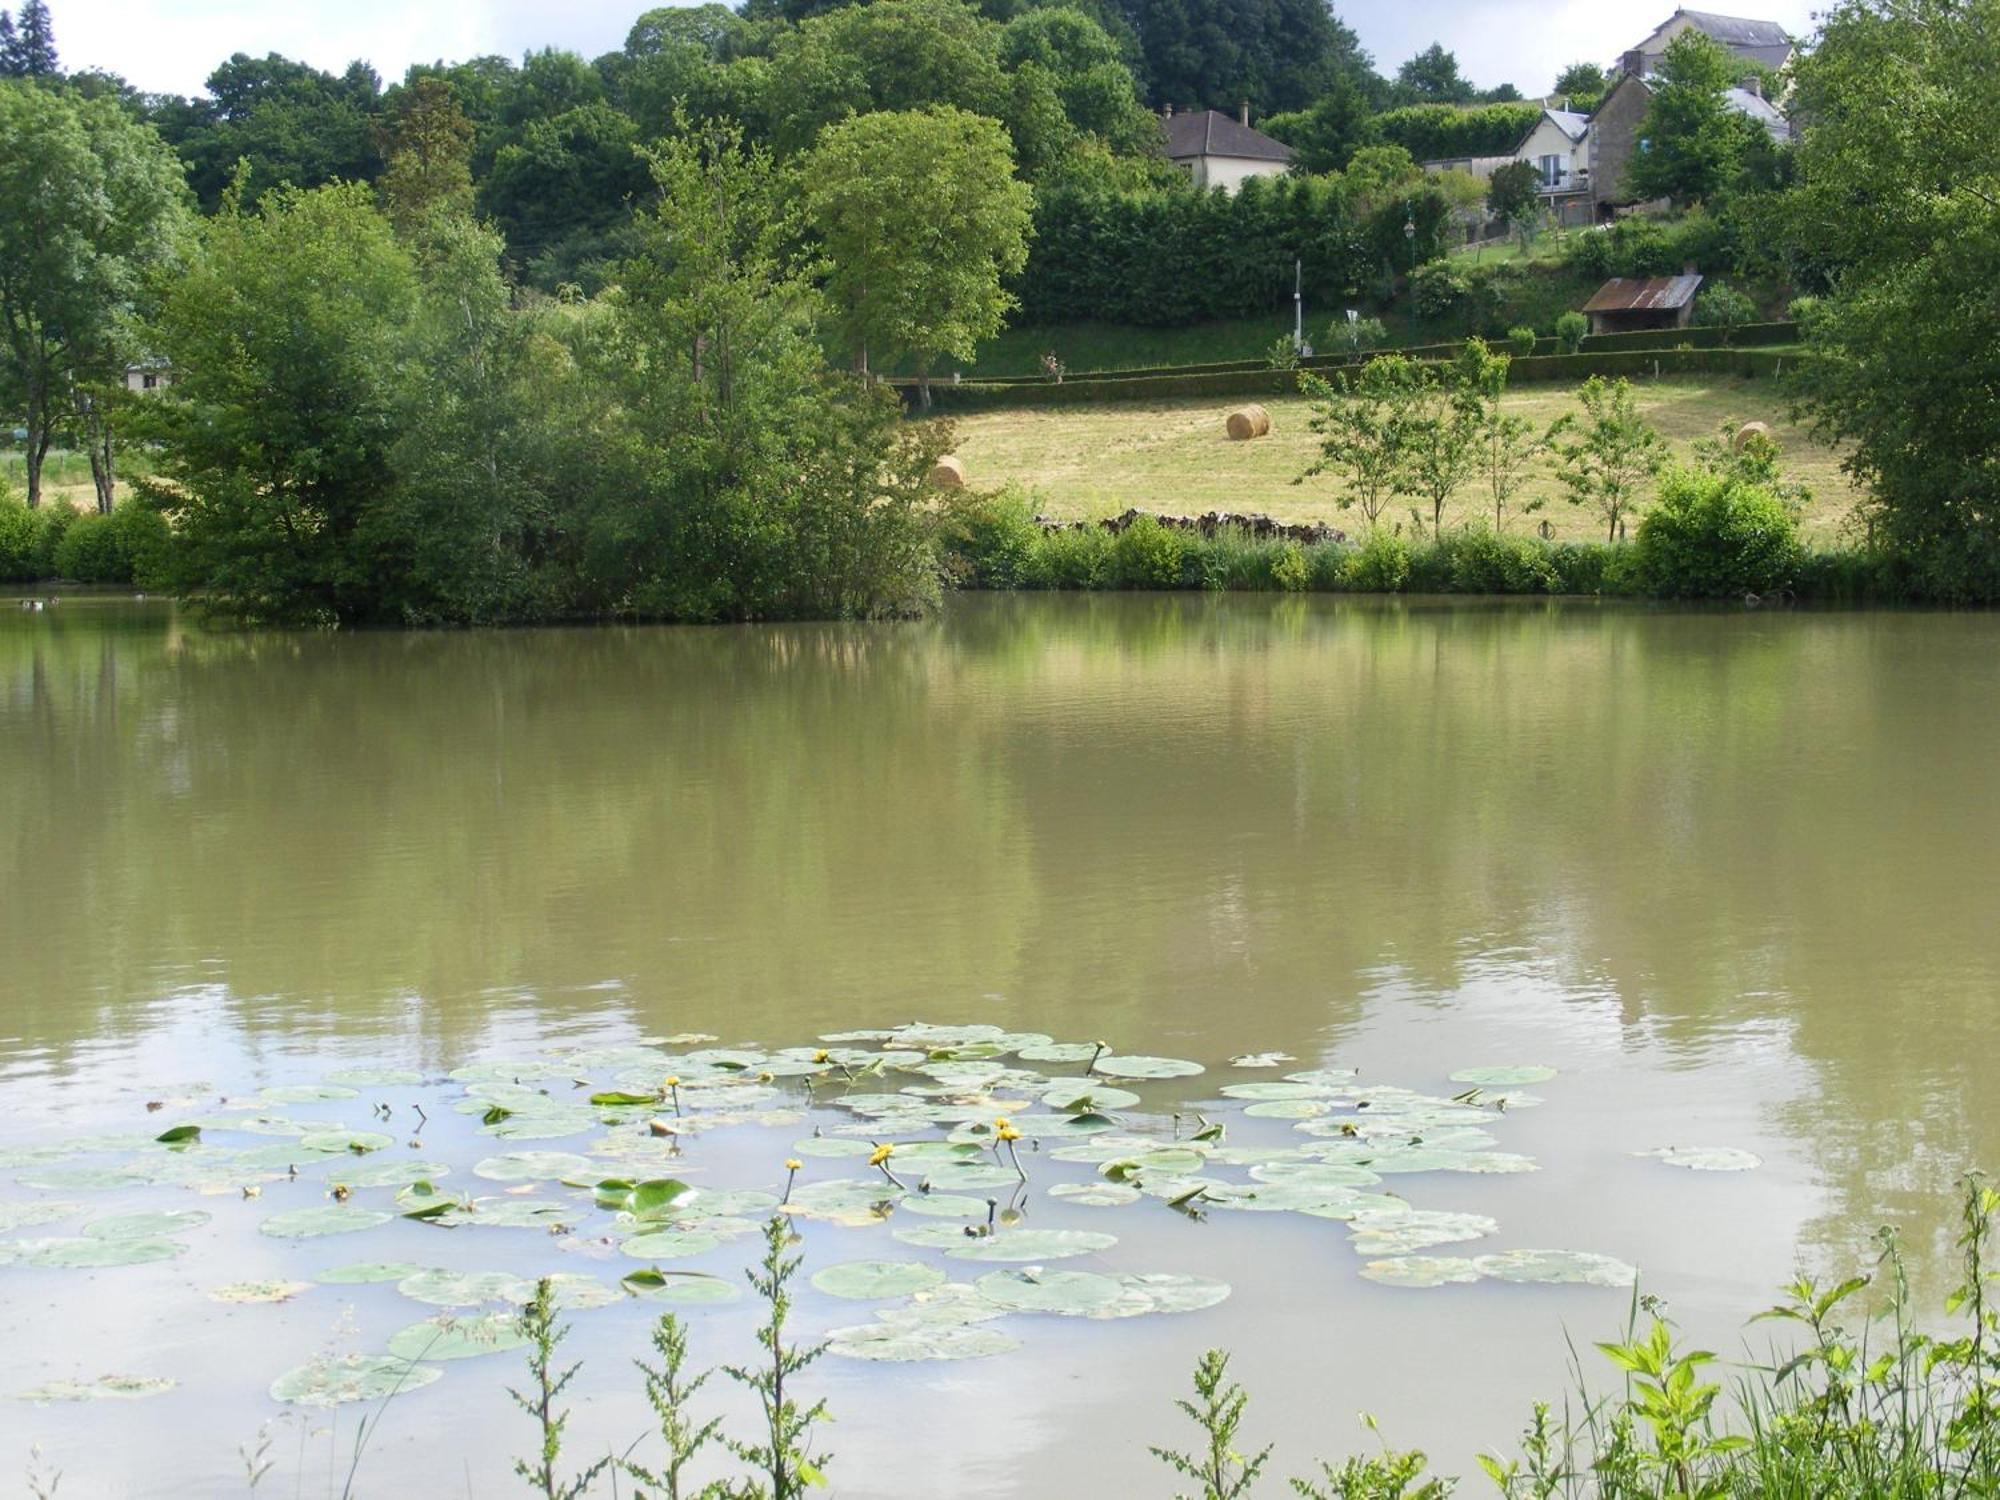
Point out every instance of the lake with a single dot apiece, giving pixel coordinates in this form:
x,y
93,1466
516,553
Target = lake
x,y
1732,875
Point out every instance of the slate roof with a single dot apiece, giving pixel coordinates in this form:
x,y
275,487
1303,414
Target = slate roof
x,y
1763,111
1764,42
1212,133
1659,294
1568,122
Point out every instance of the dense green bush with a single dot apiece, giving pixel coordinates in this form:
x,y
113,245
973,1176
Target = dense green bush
x,y
1521,341
1477,561
1439,289
1652,247
20,535
1715,536
1572,328
90,552
1079,559
52,523
1380,565
1441,132
994,538
1147,555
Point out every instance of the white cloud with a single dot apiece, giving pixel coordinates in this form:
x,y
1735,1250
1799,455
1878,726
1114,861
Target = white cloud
x,y
172,45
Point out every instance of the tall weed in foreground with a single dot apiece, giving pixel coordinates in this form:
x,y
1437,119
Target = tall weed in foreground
x,y
669,1389
545,1335
784,1457
1223,1472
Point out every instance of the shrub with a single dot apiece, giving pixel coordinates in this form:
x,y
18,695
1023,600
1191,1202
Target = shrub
x,y
994,538
1722,306
1521,341
89,552
1355,336
1572,328
1071,560
1283,354
1715,536
1380,565
1439,289
1147,555
1290,570
20,534
52,523
146,542
1478,561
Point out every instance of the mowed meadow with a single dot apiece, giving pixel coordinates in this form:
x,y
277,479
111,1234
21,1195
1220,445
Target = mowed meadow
x,y
1087,462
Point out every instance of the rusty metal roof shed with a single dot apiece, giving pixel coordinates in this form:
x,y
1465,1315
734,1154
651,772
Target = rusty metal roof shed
x,y
1659,294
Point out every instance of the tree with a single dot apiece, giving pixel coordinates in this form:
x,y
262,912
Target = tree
x,y
1694,141
1362,419
10,47
1432,77
287,336
1325,136
294,124
427,155
1582,86
1279,55
91,208
1504,443
1613,454
28,46
1898,209
1440,448
1514,191
922,222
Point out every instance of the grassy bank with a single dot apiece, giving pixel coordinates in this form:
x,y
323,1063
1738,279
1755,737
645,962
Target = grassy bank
x,y
1085,463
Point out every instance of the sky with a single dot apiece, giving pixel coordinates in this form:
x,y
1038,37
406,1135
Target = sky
x,y
170,46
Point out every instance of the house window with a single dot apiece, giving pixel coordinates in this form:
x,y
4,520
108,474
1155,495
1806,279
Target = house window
x,y
152,382
1552,171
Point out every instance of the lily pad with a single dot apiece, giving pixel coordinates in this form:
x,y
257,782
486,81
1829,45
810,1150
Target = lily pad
x,y
1146,1067
28,1215
951,1177
463,1288
1158,1293
1260,1059
1421,1270
1386,1235
1034,1245
942,1205
902,1343
375,1078
104,1388
345,1142
688,1288
93,1254
533,1166
509,1213
370,1273
254,1293
456,1336
353,1377
1706,1158
1086,1094
935,1236
1503,1078
313,1223
80,1179
1578,1267
872,1280
1074,1294
1096,1194
154,1226
307,1093
1275,1091
669,1244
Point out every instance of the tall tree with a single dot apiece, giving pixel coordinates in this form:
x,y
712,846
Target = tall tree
x,y
427,151
10,47
1695,142
35,44
91,206
1582,84
1432,77
923,222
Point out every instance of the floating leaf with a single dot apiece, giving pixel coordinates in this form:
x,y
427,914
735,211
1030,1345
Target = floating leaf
x,y
942,1205
689,1288
1142,1295
1557,1266
93,1254
1146,1067
456,1336
1421,1270
669,1244
954,1176
250,1293
104,1388
375,1078
1274,1091
462,1288
345,1142
1069,1293
935,1236
354,1377
899,1343
1394,1233
27,1215
307,1093
508,1213
371,1272
1500,1078
80,1179
153,1226
180,1135
1705,1158
312,1223
1084,1094
1059,1052
532,1166
872,1280
1288,1109
397,1174
1261,1059
1096,1194
1324,1174
1034,1245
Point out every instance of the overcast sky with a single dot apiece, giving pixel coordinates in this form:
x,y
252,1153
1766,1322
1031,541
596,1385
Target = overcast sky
x,y
171,45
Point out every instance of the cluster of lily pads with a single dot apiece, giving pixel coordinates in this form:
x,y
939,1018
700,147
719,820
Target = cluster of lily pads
x,y
953,1139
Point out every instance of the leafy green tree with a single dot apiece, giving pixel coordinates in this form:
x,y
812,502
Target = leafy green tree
x,y
1432,77
1362,418
28,46
1325,135
287,337
922,221
427,155
1440,445
10,47
1695,142
1504,443
295,125
1514,191
1582,86
91,208
562,189
1901,207
1613,453
1279,55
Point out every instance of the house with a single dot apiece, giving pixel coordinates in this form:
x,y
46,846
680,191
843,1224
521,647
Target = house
x,y
1222,151
1617,135
1765,43
148,375
1559,150
1625,305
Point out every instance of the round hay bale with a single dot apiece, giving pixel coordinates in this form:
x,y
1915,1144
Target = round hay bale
x,y
1249,422
949,473
1750,432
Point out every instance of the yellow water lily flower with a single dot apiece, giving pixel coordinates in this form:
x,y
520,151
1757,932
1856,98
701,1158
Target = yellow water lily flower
x,y
822,1056
673,1080
1009,1133
793,1164
881,1154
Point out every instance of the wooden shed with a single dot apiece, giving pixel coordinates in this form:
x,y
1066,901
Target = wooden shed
x,y
1624,305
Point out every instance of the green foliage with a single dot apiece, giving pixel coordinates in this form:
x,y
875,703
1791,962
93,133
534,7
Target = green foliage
x,y
1572,328
784,1454
1439,289
90,552
1613,452
1720,305
1582,85
1381,565
1521,342
669,1390
1325,135
1446,132
1355,336
539,1327
922,221
1696,143
994,539
1433,77
1899,205
1711,241
1222,1471
1716,536
1147,555
1514,191
1217,52
1363,419
1072,558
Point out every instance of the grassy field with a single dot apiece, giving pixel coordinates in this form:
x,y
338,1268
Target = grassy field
x,y
1090,462
65,476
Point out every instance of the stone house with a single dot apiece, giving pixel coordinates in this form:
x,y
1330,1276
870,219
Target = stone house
x,y
1222,151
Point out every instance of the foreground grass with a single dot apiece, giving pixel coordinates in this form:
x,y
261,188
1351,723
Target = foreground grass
x,y
1085,463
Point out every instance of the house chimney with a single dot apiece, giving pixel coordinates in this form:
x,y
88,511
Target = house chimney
x,y
1634,62
1754,85
1244,114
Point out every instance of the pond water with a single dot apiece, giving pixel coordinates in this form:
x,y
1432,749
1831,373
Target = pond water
x,y
1732,876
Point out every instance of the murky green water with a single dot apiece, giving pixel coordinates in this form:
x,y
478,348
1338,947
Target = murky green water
x,y
1734,875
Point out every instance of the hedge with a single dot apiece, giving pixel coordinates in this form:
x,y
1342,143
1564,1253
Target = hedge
x,y
1446,132
996,395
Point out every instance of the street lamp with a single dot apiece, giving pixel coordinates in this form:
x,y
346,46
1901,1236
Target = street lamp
x,y
1410,238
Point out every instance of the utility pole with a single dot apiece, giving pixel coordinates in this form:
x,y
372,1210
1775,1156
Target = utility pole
x,y
1299,306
